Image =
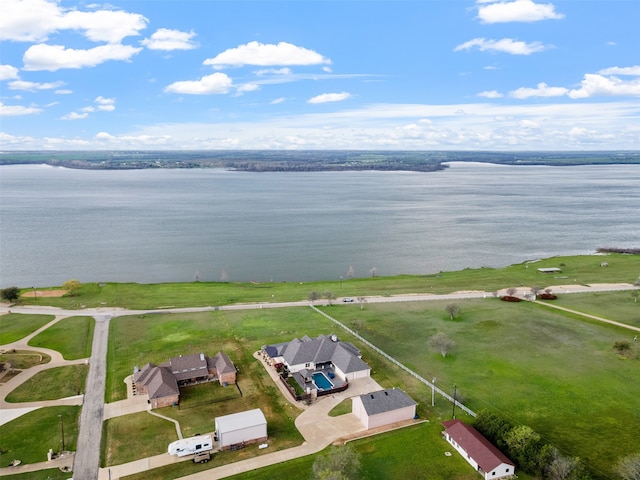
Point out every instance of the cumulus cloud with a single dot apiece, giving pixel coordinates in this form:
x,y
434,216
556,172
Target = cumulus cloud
x,y
517,11
490,94
167,39
632,71
264,55
216,83
103,25
8,72
542,90
75,116
247,87
105,104
598,85
329,97
504,45
16,110
277,101
33,86
35,20
56,57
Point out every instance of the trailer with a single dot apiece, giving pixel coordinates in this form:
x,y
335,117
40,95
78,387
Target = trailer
x,y
189,446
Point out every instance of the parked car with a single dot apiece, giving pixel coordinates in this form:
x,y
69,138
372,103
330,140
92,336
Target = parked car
x,y
347,299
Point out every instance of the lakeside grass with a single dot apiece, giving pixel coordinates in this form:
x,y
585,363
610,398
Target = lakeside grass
x,y
581,269
17,437
14,326
71,336
51,384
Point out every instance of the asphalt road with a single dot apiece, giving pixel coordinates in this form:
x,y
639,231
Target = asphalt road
x,y
86,464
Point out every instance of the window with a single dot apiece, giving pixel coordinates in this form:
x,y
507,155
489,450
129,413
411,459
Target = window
x,y
507,470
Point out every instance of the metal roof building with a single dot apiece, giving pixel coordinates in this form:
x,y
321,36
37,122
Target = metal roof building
x,y
241,428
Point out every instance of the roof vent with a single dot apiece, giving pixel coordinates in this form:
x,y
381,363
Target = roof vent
x,y
334,337
386,393
202,357
372,396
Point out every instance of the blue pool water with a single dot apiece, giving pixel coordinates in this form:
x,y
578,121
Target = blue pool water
x,y
321,381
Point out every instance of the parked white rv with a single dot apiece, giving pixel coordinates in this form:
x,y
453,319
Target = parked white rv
x,y
189,446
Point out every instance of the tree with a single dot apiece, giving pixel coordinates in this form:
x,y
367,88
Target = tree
x,y
453,310
629,467
525,448
10,294
362,301
441,342
373,271
535,291
511,291
72,286
329,296
357,325
312,296
622,347
341,463
560,467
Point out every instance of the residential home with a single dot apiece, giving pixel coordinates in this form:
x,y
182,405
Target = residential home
x,y
479,452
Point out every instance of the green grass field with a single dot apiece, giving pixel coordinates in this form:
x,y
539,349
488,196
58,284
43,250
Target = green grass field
x,y
51,384
584,269
70,336
48,474
21,359
14,326
29,437
558,374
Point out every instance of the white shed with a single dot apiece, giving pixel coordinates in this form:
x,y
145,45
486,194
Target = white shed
x,y
384,407
241,428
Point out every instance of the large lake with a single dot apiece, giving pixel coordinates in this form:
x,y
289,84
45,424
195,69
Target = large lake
x,y
178,225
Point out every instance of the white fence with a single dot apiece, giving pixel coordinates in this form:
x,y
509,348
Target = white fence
x,y
396,362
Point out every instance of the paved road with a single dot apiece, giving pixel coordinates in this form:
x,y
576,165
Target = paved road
x,y
87,460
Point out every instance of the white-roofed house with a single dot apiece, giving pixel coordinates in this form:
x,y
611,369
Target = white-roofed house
x,y
383,407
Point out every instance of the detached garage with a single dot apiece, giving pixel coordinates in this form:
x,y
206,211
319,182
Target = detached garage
x,y
385,407
241,428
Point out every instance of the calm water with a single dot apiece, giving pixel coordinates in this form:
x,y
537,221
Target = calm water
x,y
173,225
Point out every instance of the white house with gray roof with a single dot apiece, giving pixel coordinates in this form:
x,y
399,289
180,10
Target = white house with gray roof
x,y
325,351
384,407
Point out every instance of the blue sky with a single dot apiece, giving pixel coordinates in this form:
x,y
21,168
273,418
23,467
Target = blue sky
x,y
312,74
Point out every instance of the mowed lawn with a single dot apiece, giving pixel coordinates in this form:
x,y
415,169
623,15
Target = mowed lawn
x,y
14,326
71,336
52,384
555,373
17,438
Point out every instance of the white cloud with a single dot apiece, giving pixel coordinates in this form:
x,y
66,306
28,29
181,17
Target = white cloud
x,y
517,11
633,71
216,83
528,124
105,104
490,94
247,87
104,25
33,86
595,85
264,55
16,110
329,97
55,57
542,90
505,45
167,39
63,92
35,20
75,116
273,71
28,20
277,101
8,72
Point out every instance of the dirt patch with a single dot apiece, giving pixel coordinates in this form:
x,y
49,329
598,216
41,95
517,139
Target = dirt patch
x,y
44,293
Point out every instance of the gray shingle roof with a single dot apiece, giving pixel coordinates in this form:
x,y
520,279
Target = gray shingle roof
x,y
162,383
189,366
223,363
385,401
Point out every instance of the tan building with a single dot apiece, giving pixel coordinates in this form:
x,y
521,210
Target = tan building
x,y
384,407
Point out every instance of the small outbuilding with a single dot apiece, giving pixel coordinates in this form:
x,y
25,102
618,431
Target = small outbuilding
x,y
241,428
550,270
384,407
479,452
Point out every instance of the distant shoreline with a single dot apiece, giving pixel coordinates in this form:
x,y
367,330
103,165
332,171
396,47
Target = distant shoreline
x,y
306,160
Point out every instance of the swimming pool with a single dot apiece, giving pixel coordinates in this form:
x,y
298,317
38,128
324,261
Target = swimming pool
x,y
321,381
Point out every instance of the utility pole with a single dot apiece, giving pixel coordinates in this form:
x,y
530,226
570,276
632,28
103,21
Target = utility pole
x,y
635,340
433,391
454,401
62,430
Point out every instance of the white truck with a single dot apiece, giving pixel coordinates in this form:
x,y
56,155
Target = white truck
x,y
190,446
